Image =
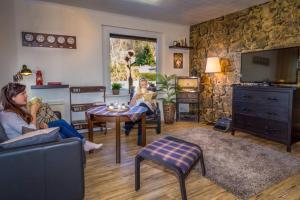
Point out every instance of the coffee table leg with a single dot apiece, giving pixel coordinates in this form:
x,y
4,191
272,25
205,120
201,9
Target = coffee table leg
x,y
144,129
118,142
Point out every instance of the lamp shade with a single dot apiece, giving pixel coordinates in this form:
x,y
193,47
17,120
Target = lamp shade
x,y
25,71
213,65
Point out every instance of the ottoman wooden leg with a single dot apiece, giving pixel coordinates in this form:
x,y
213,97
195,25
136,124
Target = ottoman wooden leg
x,y
202,164
138,160
181,178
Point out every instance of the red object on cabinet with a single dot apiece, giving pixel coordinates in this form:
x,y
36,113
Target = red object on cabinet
x,y
39,77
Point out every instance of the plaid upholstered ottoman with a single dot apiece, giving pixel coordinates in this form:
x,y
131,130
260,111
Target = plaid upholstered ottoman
x,y
173,153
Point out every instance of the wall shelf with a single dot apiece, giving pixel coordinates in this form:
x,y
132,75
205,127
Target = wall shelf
x,y
49,86
180,47
82,107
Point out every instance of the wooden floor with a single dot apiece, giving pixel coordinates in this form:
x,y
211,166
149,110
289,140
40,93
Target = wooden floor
x,y
104,179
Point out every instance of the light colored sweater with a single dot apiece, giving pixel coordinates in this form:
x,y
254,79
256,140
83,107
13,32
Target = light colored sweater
x,y
13,124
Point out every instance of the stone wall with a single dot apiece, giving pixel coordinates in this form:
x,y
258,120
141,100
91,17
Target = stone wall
x,y
270,25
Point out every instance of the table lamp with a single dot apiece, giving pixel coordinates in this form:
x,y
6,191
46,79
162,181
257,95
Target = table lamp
x,y
213,66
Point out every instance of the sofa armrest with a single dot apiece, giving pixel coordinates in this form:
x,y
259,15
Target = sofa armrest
x,y
46,171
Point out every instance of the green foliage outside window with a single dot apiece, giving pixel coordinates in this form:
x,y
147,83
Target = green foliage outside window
x,y
145,57
149,76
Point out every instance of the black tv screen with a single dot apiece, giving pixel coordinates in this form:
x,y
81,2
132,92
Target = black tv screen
x,y
271,66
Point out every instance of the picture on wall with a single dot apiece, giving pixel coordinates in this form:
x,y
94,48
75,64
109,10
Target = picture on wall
x,y
178,60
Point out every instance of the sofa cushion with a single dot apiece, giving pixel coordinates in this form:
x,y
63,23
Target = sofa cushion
x,y
3,136
32,138
27,130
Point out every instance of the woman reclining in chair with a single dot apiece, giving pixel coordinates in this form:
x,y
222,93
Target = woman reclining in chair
x,y
142,97
15,117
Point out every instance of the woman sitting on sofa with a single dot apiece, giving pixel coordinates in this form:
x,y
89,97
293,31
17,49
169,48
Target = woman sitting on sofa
x,y
142,97
14,117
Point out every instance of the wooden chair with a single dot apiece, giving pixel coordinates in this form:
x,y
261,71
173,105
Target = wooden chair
x,y
152,121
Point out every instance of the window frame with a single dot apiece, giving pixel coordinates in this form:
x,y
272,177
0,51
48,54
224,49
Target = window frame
x,y
107,31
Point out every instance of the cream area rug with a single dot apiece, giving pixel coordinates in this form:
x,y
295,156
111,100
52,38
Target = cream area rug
x,y
241,167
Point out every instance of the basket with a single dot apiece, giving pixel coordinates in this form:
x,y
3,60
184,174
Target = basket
x,y
169,112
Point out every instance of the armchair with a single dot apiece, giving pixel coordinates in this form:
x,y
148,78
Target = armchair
x,y
152,121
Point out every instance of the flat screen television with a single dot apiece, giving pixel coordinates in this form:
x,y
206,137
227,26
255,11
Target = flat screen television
x,y
278,66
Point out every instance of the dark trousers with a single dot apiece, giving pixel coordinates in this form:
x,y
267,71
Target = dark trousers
x,y
129,125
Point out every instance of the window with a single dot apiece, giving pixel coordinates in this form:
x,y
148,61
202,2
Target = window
x,y
132,56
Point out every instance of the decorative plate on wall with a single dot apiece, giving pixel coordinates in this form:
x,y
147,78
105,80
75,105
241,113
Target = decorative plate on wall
x,y
61,39
31,39
70,40
51,39
40,38
28,37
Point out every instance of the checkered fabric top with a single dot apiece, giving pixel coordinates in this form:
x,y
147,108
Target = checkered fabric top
x,y
172,151
134,112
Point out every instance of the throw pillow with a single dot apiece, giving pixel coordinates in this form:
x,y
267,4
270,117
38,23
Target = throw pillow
x,y
32,138
45,114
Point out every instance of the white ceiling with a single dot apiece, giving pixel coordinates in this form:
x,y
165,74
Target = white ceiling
x,y
176,11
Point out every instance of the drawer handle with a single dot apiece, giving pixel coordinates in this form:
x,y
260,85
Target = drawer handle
x,y
246,109
247,96
272,113
272,99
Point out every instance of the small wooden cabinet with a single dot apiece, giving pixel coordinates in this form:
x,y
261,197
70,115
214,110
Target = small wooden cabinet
x,y
267,111
188,92
82,107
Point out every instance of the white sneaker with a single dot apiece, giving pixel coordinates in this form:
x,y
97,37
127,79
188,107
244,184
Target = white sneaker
x,y
88,146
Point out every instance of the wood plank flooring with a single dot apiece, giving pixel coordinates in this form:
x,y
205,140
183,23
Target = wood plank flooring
x,y
104,179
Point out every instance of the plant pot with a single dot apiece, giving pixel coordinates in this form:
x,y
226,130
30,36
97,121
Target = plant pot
x,y
169,112
116,92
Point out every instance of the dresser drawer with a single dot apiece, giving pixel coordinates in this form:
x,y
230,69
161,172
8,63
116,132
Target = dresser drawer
x,y
276,130
245,96
185,95
262,97
250,123
187,100
275,98
250,109
263,111
277,113
267,128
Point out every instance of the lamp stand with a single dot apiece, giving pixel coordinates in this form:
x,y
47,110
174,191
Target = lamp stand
x,y
212,122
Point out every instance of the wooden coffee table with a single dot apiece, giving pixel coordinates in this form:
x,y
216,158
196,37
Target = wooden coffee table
x,y
101,114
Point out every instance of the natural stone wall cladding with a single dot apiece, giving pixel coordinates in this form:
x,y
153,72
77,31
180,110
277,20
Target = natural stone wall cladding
x,y
270,25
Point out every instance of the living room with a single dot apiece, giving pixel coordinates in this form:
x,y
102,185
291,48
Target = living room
x,y
185,38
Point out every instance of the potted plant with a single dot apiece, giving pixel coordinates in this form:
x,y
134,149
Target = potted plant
x,y
166,85
116,88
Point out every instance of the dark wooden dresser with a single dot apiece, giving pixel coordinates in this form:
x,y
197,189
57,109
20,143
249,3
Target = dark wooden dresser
x,y
267,111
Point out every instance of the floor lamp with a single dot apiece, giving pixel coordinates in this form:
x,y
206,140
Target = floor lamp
x,y
212,66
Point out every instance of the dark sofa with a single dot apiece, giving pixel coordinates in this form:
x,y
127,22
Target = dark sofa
x,y
46,172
